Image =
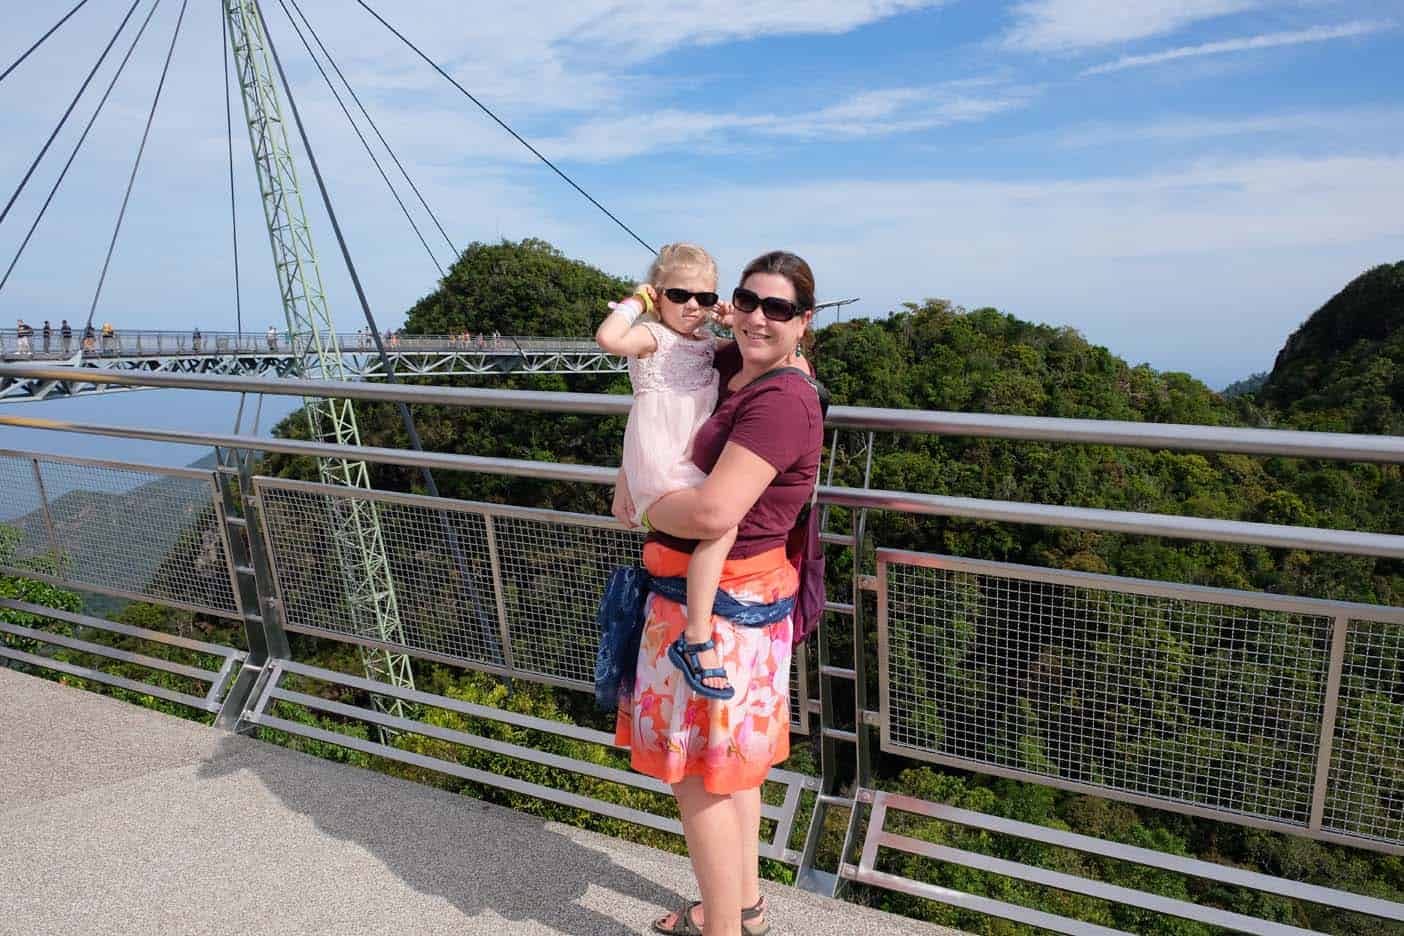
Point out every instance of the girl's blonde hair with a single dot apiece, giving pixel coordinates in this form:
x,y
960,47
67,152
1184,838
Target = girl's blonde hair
x,y
680,256
674,257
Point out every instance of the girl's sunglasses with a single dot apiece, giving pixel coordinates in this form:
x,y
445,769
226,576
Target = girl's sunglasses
x,y
705,299
772,307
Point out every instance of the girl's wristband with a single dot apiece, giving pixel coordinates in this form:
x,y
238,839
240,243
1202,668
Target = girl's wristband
x,y
629,308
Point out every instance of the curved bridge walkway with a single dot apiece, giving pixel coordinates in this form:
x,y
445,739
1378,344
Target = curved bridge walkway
x,y
120,820
248,354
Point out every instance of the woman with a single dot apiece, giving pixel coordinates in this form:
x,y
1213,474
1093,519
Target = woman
x,y
761,453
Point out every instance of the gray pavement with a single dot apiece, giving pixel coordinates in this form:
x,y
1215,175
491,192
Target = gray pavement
x,y
118,820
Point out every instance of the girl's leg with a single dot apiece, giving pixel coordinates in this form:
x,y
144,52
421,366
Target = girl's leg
x,y
710,824
703,576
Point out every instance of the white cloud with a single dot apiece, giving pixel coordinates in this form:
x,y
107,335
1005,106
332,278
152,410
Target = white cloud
x,y
1067,25
1356,125
865,114
1245,44
647,29
553,56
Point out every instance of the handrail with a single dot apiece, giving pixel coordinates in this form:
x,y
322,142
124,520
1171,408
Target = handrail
x,y
1181,437
1350,542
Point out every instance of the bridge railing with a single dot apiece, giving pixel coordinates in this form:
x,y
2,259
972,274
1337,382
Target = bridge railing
x,y
1269,711
157,343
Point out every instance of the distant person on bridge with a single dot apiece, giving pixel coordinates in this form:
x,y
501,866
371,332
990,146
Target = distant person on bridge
x,y
66,334
89,338
272,338
24,333
760,452
109,337
195,339
48,335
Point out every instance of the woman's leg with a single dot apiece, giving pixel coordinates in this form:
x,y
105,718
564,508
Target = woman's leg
x,y
711,825
748,816
704,574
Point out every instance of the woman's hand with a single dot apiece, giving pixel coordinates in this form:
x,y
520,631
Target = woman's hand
x,y
623,506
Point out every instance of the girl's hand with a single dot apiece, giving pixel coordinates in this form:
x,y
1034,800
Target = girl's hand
x,y
723,313
623,506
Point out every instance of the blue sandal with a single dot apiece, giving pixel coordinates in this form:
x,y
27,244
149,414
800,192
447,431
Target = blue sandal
x,y
687,658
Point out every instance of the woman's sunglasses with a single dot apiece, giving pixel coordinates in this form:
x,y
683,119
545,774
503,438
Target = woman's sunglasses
x,y
772,307
705,299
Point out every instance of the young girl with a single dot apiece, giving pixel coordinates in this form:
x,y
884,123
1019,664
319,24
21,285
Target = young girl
x,y
675,391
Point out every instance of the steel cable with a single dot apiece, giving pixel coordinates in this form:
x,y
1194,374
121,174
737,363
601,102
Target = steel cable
x,y
67,113
355,97
141,150
74,155
503,124
360,136
52,29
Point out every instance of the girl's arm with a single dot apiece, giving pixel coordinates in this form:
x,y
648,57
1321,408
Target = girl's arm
x,y
618,335
713,507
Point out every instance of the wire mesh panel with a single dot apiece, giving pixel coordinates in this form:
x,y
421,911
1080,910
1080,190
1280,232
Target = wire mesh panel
x,y
25,544
139,531
1197,700
1365,792
439,564
553,574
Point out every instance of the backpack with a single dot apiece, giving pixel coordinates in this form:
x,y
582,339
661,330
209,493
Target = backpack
x,y
802,545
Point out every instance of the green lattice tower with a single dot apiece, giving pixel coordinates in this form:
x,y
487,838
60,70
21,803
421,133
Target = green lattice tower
x,y
358,538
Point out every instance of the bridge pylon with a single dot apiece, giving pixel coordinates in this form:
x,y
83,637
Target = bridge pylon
x,y
362,559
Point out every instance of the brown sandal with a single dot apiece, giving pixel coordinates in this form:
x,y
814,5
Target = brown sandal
x,y
686,925
683,923
752,912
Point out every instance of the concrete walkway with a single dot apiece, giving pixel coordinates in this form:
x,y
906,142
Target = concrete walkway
x,y
118,820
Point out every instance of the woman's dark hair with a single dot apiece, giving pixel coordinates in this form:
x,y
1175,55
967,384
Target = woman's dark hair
x,y
801,277
792,267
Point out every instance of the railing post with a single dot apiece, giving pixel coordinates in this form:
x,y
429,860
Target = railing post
x,y
1339,630
808,876
496,565
263,629
48,518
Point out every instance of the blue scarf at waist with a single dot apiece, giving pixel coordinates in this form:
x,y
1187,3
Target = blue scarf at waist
x,y
621,620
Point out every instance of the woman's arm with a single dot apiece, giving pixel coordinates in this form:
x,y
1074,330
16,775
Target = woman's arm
x,y
718,503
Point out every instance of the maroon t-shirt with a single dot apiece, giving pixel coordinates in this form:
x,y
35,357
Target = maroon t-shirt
x,y
777,419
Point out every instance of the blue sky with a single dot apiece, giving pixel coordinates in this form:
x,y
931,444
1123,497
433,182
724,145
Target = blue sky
x,y
1183,181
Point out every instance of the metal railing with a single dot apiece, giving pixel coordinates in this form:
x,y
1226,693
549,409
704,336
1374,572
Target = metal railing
x,y
1260,710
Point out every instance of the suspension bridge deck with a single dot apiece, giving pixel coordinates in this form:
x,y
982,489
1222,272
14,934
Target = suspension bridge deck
x,y
245,355
119,820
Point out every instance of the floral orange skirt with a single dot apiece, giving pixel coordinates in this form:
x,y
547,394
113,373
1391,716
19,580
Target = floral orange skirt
x,y
673,733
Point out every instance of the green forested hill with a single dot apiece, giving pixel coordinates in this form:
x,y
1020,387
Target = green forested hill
x,y
523,288
1343,370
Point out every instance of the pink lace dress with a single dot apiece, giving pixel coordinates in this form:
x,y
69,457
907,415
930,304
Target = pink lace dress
x,y
675,391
